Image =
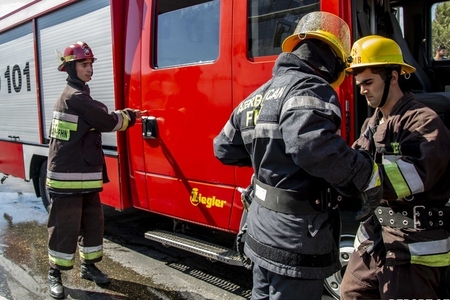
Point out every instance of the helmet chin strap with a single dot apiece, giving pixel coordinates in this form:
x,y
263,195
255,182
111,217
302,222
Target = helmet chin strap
x,y
387,84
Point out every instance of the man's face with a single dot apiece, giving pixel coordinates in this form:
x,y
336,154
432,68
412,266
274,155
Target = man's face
x,y
442,52
371,86
84,69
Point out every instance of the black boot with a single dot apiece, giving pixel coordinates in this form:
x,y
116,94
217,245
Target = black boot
x,y
55,284
91,272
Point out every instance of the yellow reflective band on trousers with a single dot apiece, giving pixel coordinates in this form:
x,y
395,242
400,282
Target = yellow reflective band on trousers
x,y
436,260
431,253
76,185
397,180
61,261
91,253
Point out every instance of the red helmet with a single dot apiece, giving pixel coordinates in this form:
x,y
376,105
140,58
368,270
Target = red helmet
x,y
78,51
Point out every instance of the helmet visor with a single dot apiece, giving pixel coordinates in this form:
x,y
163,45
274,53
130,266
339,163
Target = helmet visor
x,y
324,26
331,26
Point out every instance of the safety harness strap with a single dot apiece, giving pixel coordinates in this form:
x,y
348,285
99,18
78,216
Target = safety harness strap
x,y
287,201
290,258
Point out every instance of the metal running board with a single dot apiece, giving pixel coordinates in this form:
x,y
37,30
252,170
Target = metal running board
x,y
197,246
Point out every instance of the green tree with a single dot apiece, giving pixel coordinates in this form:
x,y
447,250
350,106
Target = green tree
x,y
441,25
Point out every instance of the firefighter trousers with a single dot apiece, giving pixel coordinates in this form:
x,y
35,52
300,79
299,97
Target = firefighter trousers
x,y
269,285
367,278
75,220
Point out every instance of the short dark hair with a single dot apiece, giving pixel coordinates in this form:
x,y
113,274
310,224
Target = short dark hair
x,y
440,47
380,70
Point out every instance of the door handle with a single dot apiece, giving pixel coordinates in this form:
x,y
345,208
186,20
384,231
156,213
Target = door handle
x,y
149,127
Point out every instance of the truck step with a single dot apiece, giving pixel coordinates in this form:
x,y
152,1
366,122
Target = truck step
x,y
197,246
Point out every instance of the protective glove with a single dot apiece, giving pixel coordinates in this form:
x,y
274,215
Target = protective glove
x,y
247,196
372,195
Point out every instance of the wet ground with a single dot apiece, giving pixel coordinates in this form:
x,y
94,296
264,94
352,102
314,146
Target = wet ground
x,y
138,268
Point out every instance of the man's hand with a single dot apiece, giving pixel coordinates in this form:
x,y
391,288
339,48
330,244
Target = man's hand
x,y
247,196
139,113
371,197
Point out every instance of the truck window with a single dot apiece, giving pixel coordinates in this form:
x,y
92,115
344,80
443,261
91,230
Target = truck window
x,y
398,12
187,32
270,22
440,31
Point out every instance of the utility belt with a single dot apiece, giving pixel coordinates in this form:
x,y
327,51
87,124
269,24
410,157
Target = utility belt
x,y
418,217
294,202
290,258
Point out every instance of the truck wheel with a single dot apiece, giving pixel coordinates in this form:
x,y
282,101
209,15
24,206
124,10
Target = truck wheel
x,y
43,187
333,283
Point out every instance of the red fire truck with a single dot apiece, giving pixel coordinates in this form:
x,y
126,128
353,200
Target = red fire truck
x,y
188,63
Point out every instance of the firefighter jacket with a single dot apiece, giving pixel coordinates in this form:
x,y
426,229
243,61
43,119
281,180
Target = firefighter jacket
x,y
412,147
76,160
287,130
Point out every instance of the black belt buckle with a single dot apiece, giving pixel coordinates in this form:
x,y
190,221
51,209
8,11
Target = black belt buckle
x,y
328,200
416,215
322,203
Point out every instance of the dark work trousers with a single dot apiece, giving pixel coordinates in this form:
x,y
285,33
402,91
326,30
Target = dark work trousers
x,y
364,278
75,220
269,285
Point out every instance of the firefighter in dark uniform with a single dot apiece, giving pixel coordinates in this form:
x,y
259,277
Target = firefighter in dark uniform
x,y
288,131
76,170
403,248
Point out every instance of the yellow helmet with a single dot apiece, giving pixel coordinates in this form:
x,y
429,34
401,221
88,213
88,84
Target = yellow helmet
x,y
375,50
327,28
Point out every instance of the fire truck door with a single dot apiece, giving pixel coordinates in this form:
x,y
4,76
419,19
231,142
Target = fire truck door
x,y
186,90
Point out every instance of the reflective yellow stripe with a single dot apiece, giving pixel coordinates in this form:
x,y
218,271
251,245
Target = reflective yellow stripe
x,y
92,255
375,180
74,184
119,120
436,260
403,175
431,253
125,121
398,182
61,261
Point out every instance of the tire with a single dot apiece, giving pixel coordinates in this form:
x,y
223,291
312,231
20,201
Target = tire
x,y
43,187
333,283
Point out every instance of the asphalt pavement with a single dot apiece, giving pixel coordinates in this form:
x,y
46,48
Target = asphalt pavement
x,y
138,268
